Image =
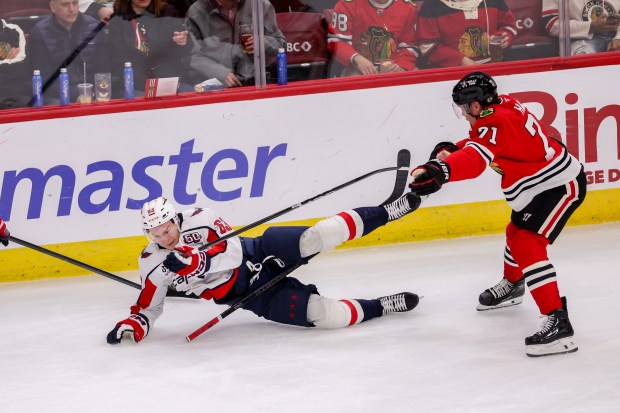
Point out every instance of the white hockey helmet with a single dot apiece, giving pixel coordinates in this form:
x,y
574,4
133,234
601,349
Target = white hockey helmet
x,y
157,212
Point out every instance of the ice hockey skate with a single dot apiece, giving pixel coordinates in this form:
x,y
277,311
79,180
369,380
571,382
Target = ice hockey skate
x,y
399,303
503,294
404,205
554,337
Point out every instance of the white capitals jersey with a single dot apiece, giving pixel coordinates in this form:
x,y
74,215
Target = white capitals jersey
x,y
199,226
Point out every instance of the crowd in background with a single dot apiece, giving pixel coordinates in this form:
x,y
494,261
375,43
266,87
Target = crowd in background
x,y
198,40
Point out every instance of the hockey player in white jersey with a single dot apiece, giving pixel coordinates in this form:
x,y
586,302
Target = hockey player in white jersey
x,y
237,266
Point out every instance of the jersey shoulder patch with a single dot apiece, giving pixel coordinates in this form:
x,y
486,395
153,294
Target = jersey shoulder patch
x,y
486,112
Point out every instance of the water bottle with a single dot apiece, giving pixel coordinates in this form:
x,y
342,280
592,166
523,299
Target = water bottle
x,y
282,78
37,89
65,95
128,80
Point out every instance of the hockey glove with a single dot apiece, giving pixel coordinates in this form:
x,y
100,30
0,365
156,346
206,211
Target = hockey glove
x,y
4,233
442,150
429,178
135,327
187,261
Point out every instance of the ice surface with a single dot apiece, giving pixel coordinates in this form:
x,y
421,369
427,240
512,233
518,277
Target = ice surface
x,y
442,357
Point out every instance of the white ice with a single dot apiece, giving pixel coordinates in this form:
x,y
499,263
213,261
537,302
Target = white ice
x,y
444,356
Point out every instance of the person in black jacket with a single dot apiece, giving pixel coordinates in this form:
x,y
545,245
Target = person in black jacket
x,y
55,42
155,45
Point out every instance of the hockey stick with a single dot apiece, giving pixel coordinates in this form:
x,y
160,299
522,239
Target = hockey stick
x,y
404,158
170,293
245,300
402,168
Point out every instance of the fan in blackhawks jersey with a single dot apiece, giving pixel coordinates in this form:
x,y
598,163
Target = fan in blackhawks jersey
x,y
457,32
542,182
238,266
373,36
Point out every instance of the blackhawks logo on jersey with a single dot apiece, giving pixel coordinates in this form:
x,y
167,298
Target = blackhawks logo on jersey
x,y
474,43
375,44
496,168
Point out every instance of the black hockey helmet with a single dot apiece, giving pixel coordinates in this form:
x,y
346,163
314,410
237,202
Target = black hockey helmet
x,y
476,86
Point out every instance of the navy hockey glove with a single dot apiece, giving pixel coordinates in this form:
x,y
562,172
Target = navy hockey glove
x,y
135,327
4,233
448,147
429,178
187,261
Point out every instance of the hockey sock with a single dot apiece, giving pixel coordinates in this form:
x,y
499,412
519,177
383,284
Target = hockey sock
x,y
325,312
328,233
541,280
512,272
529,250
362,221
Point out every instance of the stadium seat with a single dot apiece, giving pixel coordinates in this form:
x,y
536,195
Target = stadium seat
x,y
306,41
25,13
533,41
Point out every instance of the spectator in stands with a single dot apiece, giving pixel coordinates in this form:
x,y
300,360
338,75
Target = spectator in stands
x,y
217,51
457,32
593,24
156,46
99,9
364,35
14,80
58,40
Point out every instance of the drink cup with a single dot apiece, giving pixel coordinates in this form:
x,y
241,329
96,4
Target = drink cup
x,y
103,87
245,32
384,65
85,93
495,48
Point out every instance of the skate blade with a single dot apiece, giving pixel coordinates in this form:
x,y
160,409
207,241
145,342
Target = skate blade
x,y
509,303
561,346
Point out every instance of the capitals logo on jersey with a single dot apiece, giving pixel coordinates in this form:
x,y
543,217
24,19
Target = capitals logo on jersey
x,y
375,44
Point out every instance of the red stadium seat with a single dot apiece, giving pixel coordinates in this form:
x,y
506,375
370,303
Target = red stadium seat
x,y
24,13
306,41
532,41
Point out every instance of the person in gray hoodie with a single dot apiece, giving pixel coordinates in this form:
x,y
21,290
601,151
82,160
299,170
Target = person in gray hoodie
x,y
217,51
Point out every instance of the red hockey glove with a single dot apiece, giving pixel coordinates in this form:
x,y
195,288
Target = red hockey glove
x,y
135,327
429,178
187,261
4,233
442,150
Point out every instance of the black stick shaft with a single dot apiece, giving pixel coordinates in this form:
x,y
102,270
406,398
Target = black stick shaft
x,y
74,262
295,206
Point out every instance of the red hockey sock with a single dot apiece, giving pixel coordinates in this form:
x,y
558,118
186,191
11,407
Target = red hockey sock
x,y
529,250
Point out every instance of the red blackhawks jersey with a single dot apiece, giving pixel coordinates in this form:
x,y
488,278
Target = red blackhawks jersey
x,y
507,137
376,31
198,227
450,30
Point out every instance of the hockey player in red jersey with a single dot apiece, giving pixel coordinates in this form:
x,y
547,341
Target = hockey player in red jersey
x,y
4,233
238,266
362,33
542,182
457,32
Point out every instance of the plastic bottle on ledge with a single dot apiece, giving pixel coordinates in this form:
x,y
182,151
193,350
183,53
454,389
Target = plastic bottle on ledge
x,y
64,95
37,89
128,81
281,62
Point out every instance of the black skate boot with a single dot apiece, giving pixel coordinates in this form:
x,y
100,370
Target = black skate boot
x,y
503,294
402,206
399,303
555,335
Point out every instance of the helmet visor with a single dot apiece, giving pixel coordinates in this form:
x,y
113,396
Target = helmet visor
x,y
461,111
